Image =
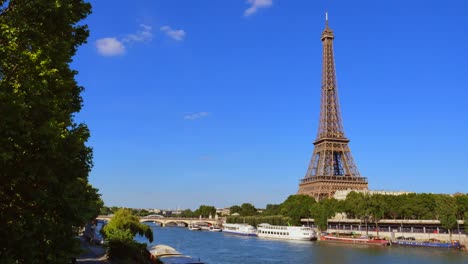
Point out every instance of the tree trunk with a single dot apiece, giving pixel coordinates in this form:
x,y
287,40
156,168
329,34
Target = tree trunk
x,y
367,229
377,227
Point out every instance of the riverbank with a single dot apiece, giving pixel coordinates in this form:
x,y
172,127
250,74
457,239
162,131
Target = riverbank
x,y
92,254
419,236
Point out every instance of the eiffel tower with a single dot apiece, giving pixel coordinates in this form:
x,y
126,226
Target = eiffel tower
x,y
332,167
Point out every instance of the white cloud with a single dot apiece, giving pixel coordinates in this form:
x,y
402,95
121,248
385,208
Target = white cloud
x,y
113,46
177,34
143,35
255,5
110,47
196,115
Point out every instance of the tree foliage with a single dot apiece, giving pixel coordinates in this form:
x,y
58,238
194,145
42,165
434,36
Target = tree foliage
x,y
205,211
44,162
367,207
120,233
297,207
235,209
378,208
462,205
247,209
446,208
324,210
272,209
187,213
465,218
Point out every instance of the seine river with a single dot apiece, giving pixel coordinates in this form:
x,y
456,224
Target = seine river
x,y
219,248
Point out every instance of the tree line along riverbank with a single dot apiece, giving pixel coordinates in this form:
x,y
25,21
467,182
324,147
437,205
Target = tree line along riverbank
x,y
369,208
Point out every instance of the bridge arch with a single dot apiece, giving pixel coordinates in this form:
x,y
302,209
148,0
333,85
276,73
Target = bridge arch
x,y
202,222
162,223
186,223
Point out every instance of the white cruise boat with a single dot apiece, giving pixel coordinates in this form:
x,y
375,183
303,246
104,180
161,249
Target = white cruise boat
x,y
239,229
286,232
194,227
215,229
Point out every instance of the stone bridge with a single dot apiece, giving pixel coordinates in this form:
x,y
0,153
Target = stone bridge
x,y
163,221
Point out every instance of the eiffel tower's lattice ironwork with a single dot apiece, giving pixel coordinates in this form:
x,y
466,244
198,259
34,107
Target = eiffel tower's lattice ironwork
x,y
332,166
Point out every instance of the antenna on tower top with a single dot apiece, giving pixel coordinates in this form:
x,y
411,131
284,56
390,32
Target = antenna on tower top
x,y
326,19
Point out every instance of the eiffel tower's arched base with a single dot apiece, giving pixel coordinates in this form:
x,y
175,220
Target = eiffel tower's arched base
x,y
322,187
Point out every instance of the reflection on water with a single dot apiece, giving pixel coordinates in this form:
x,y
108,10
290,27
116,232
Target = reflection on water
x,y
219,248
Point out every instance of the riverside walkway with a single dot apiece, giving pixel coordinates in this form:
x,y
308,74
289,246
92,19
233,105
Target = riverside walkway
x,y
93,254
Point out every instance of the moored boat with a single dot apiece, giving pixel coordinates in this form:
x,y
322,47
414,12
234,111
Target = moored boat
x,y
204,227
433,243
168,255
354,239
194,227
239,229
215,229
286,232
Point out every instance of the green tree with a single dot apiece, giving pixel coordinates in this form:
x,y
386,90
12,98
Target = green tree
x,y
324,210
105,211
465,218
424,206
358,205
120,233
462,204
248,209
186,213
142,212
297,207
446,208
272,209
205,211
394,203
235,209
377,208
44,162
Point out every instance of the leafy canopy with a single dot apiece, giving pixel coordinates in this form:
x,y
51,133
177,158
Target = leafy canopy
x,y
44,162
125,222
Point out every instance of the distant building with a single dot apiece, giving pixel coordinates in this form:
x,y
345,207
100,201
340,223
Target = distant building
x,y
223,211
176,212
166,212
341,194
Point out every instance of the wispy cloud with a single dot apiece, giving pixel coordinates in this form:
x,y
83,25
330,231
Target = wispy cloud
x,y
177,34
144,34
255,5
196,115
110,47
113,46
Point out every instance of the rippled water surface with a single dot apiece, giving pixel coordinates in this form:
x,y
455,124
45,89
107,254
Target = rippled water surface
x,y
219,248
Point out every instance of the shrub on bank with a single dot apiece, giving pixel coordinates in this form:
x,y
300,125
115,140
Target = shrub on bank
x,y
127,251
120,233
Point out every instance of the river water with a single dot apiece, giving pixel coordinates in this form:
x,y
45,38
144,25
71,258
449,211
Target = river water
x,y
220,248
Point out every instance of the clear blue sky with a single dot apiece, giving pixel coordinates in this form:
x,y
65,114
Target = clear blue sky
x,y
217,102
